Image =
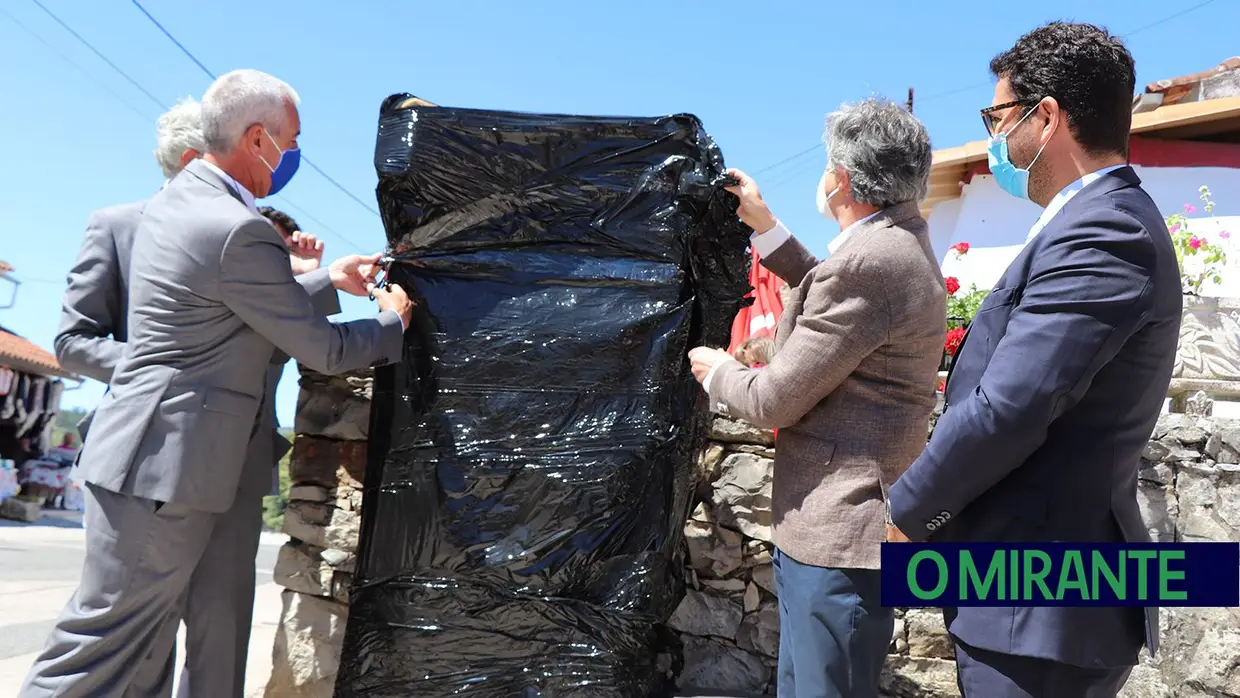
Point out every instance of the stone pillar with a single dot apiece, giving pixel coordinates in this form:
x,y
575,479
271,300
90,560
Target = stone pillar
x,y
322,519
729,620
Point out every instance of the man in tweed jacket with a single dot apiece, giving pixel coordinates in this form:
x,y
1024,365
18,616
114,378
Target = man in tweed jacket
x,y
850,388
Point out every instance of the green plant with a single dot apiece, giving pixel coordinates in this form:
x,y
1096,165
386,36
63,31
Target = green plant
x,y
1190,245
962,306
273,506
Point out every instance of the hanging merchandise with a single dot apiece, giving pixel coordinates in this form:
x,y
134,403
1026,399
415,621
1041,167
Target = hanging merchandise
x,y
531,458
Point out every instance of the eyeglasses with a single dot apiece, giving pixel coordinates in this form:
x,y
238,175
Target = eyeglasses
x,y
992,122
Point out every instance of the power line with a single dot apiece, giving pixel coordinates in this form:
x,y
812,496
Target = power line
x,y
158,102
102,57
1168,18
70,61
211,75
975,86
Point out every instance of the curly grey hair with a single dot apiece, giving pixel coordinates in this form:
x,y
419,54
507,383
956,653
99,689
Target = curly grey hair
x,y
884,149
178,130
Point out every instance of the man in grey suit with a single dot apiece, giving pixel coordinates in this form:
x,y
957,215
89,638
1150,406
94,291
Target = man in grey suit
x,y
219,606
212,297
850,388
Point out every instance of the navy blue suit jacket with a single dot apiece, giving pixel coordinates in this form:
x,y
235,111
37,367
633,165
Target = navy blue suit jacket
x,y
1050,403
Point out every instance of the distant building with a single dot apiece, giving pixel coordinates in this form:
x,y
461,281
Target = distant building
x,y
1185,134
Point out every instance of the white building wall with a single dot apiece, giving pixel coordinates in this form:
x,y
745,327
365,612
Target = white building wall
x,y
995,223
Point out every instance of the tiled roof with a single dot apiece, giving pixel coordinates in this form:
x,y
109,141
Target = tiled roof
x,y
22,355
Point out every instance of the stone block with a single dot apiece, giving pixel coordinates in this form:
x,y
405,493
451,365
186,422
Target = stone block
x,y
1159,510
713,666
919,677
1198,652
759,632
307,647
310,493
17,509
736,432
741,496
704,614
300,568
306,522
764,451
714,552
764,576
1145,682
1224,443
327,462
335,407
753,598
708,464
899,638
1209,500
927,636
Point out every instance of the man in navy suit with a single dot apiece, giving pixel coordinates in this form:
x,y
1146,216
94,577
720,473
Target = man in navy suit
x,y
1063,371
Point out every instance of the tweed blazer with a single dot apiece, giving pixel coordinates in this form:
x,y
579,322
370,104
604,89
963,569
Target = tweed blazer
x,y
851,385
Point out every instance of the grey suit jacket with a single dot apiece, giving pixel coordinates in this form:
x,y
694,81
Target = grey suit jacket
x,y
851,385
211,299
93,326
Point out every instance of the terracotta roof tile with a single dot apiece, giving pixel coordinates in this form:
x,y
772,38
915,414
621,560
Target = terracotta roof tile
x,y
22,355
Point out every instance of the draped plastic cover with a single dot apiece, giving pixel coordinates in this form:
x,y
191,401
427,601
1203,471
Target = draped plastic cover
x,y
531,458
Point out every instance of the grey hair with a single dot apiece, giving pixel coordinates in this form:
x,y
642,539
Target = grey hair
x,y
884,149
238,100
176,131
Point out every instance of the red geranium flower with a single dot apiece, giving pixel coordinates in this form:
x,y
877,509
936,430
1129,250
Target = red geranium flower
x,y
954,338
961,248
953,285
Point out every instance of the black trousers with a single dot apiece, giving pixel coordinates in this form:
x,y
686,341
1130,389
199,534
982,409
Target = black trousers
x,y
984,674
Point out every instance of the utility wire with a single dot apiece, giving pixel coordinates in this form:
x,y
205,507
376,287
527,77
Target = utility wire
x,y
213,76
976,86
72,63
163,107
102,57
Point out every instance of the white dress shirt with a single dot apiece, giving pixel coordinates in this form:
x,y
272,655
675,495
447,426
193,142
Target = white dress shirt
x,y
765,244
1062,198
246,196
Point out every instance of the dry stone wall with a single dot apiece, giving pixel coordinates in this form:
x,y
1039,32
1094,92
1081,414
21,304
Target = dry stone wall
x,y
322,519
729,619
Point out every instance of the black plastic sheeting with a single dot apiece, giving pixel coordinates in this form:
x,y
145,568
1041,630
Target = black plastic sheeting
x,y
531,459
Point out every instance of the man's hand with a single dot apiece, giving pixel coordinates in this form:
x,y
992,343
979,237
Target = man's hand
x,y
703,359
895,535
354,274
753,210
393,297
305,252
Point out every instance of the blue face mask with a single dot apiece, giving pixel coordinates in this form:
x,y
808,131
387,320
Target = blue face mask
x,y
285,169
1010,178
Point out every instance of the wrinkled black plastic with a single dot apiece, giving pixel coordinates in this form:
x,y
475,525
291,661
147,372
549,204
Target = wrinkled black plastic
x,y
531,458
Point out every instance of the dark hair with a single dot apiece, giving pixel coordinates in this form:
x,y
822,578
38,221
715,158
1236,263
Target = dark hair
x,y
280,219
1086,69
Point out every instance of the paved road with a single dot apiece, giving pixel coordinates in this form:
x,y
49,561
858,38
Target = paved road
x,y
39,568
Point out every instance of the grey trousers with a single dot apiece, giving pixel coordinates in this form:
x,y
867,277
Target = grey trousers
x,y
218,610
140,556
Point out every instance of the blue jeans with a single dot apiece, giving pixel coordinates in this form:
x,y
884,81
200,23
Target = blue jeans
x,y
833,632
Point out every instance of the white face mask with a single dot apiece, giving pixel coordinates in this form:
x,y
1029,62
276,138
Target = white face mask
x,y
824,198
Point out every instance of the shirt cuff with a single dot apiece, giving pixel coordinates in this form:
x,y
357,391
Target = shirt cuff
x,y
765,244
709,374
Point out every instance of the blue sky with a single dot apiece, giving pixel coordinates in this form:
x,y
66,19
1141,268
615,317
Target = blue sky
x,y
78,136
